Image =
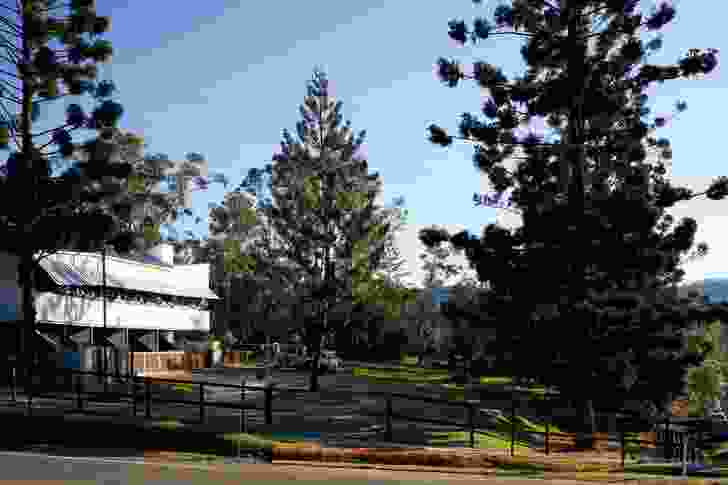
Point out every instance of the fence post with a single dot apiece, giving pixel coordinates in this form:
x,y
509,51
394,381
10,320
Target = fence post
x,y
547,437
202,403
269,404
668,440
13,390
701,444
79,401
133,395
549,418
30,393
471,423
148,398
243,411
388,420
513,419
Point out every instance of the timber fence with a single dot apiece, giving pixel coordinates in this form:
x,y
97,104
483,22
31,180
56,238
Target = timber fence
x,y
81,387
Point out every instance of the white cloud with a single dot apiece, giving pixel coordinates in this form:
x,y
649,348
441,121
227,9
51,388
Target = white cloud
x,y
411,248
712,219
711,216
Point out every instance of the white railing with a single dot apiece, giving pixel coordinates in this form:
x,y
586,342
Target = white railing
x,y
74,310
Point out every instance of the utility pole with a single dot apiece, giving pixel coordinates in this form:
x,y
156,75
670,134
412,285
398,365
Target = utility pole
x,y
103,307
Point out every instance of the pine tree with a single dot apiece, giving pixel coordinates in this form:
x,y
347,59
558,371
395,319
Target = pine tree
x,y
323,211
43,52
597,255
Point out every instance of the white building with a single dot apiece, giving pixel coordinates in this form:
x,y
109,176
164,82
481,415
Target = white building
x,y
149,304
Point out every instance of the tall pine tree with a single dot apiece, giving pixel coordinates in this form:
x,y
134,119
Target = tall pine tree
x,y
46,56
324,213
582,291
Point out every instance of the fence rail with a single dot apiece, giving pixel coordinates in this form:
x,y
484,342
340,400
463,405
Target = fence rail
x,y
141,392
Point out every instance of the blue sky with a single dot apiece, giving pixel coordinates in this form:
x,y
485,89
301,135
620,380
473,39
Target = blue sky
x,y
223,78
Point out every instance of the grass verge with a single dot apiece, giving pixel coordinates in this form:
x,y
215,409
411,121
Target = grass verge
x,y
164,434
482,440
419,375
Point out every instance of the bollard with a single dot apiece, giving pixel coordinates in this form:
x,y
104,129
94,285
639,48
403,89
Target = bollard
x,y
388,421
269,404
148,398
202,403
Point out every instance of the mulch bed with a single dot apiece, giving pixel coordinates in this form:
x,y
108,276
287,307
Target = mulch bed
x,y
449,457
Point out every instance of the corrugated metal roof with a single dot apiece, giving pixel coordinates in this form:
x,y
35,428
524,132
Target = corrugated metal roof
x,y
64,274
160,282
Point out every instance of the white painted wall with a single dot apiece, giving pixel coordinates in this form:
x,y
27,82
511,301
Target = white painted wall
x,y
66,309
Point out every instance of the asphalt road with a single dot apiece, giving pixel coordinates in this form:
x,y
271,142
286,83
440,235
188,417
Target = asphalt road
x,y
22,467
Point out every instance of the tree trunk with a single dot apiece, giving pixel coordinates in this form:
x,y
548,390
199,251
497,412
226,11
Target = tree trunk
x,y
26,278
315,371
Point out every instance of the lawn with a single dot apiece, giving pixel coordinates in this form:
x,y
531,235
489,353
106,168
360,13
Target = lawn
x,y
482,440
441,377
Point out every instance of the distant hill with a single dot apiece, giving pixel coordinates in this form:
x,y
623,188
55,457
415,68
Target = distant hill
x,y
714,289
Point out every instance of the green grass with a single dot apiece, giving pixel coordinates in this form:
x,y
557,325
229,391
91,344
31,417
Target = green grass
x,y
409,360
402,375
184,387
500,438
247,441
503,424
419,375
482,440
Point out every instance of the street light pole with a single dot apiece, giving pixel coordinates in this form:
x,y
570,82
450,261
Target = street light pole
x,y
103,306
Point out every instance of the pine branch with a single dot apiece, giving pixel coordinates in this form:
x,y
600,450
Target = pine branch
x,y
62,127
11,9
8,73
8,97
16,28
11,121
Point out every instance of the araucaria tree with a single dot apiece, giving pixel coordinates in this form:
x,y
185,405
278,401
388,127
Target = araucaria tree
x,y
47,56
323,212
580,293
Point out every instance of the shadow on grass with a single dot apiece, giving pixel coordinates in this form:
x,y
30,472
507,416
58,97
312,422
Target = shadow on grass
x,y
107,438
675,469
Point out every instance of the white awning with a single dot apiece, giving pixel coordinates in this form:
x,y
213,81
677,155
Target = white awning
x,y
84,269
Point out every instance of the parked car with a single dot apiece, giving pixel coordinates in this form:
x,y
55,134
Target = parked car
x,y
291,356
328,361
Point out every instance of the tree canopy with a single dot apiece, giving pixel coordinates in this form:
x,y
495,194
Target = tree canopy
x,y
581,294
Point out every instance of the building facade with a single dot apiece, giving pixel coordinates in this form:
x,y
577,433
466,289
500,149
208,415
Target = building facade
x,y
86,300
